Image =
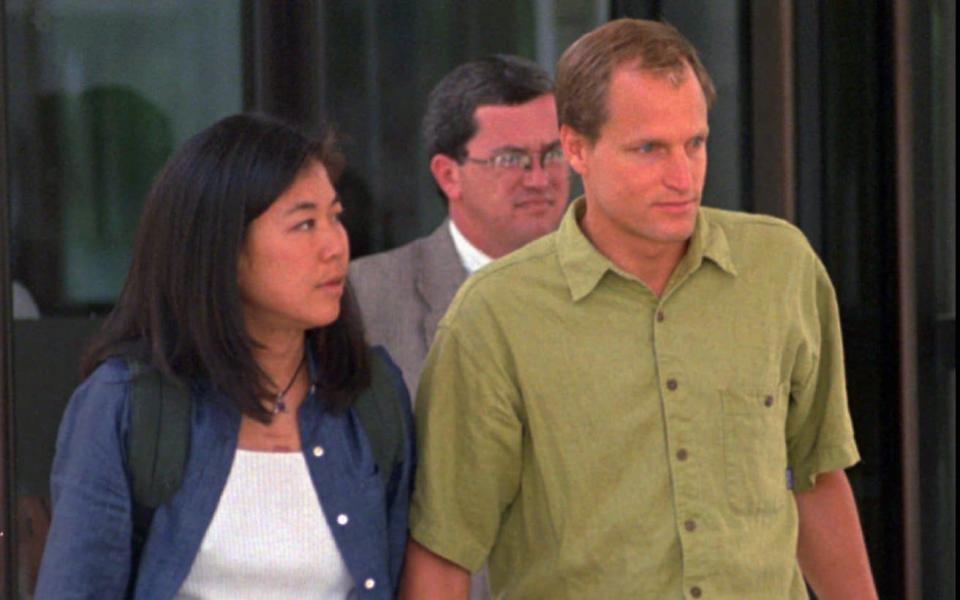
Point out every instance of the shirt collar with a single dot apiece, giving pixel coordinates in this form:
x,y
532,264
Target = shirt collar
x,y
709,241
584,266
471,257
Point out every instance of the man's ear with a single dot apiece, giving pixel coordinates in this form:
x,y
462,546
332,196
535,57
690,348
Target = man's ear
x,y
574,148
446,172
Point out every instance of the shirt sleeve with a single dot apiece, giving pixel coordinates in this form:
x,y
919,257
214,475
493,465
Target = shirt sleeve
x,y
819,430
88,549
469,432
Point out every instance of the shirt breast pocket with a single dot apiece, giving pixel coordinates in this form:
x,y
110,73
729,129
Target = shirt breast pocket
x,y
755,449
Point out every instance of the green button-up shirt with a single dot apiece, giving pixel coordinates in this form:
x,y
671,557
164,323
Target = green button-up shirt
x,y
596,441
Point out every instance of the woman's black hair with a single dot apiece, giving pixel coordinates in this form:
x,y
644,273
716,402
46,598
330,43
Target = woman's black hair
x,y
180,307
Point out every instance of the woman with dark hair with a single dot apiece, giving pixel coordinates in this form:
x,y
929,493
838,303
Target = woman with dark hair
x,y
238,293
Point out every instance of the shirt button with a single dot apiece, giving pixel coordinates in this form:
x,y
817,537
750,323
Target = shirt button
x,y
768,401
660,316
671,384
318,451
682,454
690,525
696,592
369,583
342,519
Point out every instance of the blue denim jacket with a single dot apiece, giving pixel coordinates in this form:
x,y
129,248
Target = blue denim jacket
x,y
88,551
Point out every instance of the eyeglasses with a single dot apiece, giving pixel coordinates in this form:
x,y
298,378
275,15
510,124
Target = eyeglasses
x,y
516,160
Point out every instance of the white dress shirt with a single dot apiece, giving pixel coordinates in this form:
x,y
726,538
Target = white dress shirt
x,y
471,257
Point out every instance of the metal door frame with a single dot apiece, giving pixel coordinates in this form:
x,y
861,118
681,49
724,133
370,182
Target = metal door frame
x,y
6,308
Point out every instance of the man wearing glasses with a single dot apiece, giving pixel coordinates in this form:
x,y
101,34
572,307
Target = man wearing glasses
x,y
491,134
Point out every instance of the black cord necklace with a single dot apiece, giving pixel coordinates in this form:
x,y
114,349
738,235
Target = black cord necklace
x,y
279,406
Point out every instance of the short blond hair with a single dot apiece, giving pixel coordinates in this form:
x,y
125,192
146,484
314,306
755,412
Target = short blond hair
x,y
584,69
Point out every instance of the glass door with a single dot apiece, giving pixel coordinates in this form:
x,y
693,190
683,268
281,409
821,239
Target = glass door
x,y
97,95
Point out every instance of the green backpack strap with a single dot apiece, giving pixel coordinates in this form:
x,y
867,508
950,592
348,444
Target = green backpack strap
x,y
159,435
379,410
157,444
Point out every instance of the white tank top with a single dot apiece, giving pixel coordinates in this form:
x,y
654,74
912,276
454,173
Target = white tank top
x,y
268,539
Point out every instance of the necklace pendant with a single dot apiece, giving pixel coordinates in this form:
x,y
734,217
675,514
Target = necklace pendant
x,y
279,406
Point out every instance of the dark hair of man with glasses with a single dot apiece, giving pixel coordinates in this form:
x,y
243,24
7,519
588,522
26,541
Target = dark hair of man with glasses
x,y
449,122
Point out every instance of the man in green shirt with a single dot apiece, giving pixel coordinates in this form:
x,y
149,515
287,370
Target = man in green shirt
x,y
649,403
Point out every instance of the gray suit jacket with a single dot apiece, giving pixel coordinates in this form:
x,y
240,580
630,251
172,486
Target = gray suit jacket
x,y
404,293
